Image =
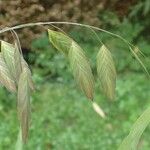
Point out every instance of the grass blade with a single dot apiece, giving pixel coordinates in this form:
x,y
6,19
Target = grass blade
x,y
131,141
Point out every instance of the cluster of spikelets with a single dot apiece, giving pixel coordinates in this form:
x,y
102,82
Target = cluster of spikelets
x,y
107,77
15,74
81,67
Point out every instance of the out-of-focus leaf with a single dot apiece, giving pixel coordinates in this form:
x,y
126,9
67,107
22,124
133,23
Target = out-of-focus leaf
x,y
146,7
5,77
60,41
23,104
106,72
81,69
131,141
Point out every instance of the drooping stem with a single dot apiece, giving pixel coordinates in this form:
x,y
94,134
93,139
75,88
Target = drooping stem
x,y
66,23
130,46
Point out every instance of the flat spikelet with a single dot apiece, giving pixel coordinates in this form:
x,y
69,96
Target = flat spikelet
x,y
60,41
79,63
106,72
15,72
5,77
81,69
25,66
17,62
8,55
23,104
14,61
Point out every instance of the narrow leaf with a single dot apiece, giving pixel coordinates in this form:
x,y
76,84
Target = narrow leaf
x,y
5,78
81,69
132,140
106,72
23,105
60,41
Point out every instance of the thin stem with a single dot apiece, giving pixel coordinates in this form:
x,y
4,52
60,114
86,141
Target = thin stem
x,y
75,24
67,23
17,41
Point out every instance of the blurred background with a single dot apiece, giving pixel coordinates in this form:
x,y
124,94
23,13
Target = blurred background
x,y
62,117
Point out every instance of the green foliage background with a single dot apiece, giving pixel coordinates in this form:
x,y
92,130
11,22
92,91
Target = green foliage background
x,y
62,118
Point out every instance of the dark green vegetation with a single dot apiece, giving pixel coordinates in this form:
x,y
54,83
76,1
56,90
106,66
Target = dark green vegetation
x,y
62,118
